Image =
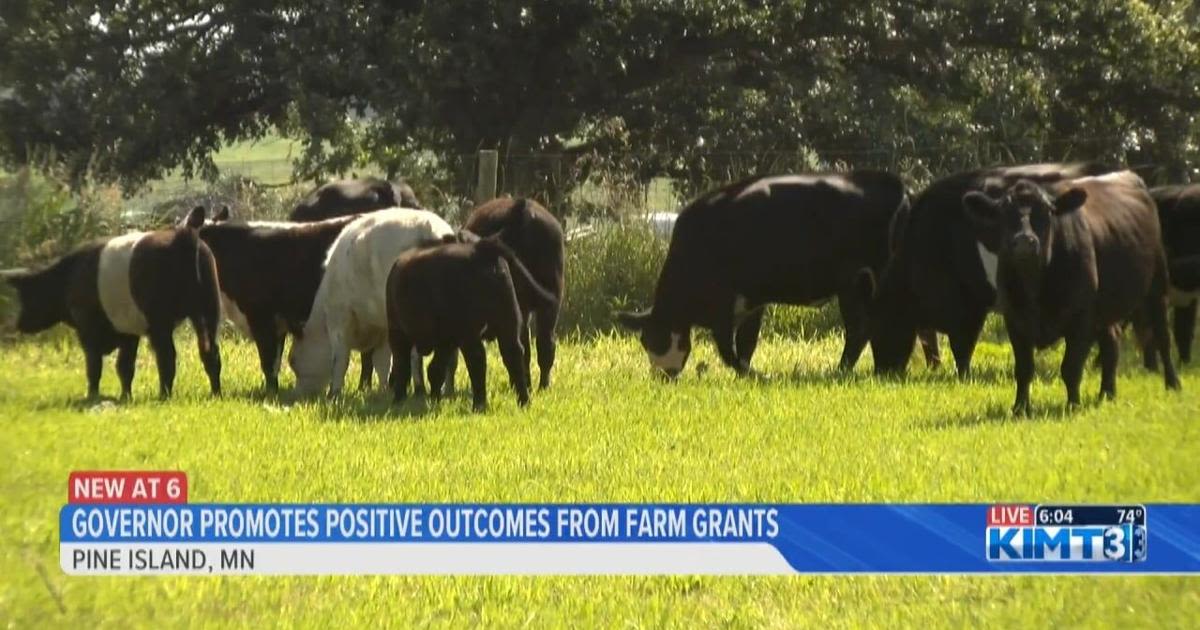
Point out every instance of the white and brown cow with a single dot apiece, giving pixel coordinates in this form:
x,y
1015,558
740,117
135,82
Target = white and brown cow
x,y
349,311
114,291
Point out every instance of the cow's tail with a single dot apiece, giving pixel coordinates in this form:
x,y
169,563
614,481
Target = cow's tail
x,y
524,281
206,293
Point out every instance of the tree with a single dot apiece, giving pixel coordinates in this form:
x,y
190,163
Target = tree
x,y
129,90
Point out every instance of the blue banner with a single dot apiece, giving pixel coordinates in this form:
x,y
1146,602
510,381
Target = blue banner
x,y
810,538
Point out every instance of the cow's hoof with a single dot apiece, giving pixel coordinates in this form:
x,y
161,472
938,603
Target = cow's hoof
x,y
1022,410
1174,383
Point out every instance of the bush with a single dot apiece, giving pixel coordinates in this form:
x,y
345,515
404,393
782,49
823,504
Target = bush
x,y
612,268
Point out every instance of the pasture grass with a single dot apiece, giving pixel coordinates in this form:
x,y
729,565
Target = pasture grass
x,y
606,431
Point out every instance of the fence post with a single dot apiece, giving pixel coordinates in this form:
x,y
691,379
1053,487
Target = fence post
x,y
485,188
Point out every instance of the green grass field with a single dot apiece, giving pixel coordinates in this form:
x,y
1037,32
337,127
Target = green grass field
x,y
605,432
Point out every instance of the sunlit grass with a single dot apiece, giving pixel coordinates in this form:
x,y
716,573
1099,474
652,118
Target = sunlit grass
x,y
605,432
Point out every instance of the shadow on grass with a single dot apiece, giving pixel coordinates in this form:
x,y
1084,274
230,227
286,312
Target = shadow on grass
x,y
1001,413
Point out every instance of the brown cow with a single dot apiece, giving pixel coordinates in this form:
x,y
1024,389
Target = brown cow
x,y
537,239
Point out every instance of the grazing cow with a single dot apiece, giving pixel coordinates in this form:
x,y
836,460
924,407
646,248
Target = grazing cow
x,y
1179,214
941,275
443,297
537,238
269,274
350,197
353,196
1074,259
114,291
795,239
349,310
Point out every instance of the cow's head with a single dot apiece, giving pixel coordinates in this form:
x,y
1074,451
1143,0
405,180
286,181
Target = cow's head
x,y
311,359
42,299
1021,222
667,348
889,326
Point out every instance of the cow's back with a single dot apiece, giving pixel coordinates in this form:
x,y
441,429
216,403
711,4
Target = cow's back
x,y
538,240
820,226
356,271
1123,231
345,198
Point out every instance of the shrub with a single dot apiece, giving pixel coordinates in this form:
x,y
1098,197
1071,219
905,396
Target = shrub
x,y
612,268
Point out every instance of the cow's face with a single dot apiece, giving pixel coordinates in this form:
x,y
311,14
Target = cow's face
x,y
311,360
667,349
1022,221
889,326
41,302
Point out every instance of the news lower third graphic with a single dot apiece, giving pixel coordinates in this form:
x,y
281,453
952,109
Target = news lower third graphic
x,y
142,523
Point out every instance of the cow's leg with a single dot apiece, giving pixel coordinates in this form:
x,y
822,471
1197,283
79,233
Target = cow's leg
x,y
448,388
514,356
746,337
417,367
723,336
1143,333
476,359
1078,346
526,348
381,362
1156,311
854,323
1185,329
364,377
340,362
162,341
963,340
438,368
127,349
1022,348
929,347
544,322
1109,354
94,362
210,353
269,345
401,363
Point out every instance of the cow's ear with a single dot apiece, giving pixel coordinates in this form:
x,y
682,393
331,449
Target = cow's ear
x,y
1070,201
864,282
195,218
633,321
222,214
981,209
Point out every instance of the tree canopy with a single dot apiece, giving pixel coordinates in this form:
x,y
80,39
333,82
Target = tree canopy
x,y
129,90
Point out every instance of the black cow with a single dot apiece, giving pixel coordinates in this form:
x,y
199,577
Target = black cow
x,y
1179,214
269,273
353,196
537,238
1075,259
941,274
444,297
795,239
115,290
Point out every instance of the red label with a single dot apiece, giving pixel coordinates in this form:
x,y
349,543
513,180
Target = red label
x,y
127,486
1010,515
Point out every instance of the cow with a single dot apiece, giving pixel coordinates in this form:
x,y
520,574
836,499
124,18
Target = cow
x,y
349,310
442,298
353,196
113,291
350,197
537,238
795,239
1179,214
269,274
1075,258
940,275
